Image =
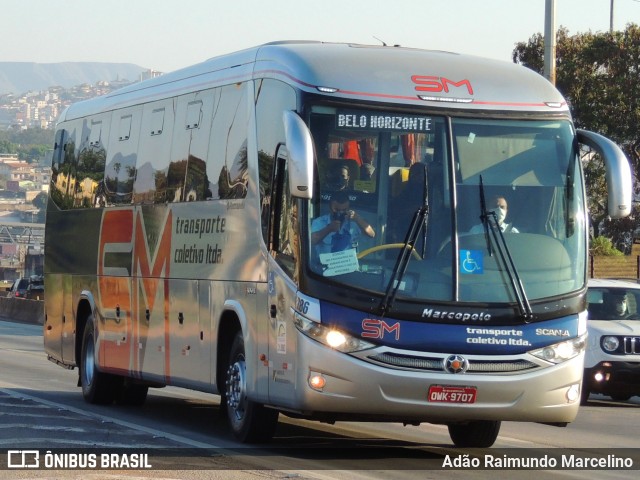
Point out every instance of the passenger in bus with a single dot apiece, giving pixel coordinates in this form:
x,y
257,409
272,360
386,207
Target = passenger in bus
x,y
339,229
339,178
499,205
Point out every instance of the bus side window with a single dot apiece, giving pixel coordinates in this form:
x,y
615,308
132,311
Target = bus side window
x,y
227,161
272,98
122,154
153,156
198,128
91,162
187,179
63,169
285,242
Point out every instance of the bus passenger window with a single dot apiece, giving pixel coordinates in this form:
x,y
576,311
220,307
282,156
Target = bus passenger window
x,y
227,159
63,169
91,163
285,226
153,153
120,172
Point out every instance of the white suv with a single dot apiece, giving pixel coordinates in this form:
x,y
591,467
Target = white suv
x,y
612,361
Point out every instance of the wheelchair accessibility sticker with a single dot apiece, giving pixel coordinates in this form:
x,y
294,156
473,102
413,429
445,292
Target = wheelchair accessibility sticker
x,y
471,262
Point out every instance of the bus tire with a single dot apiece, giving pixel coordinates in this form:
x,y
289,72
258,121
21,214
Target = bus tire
x,y
250,422
97,387
475,434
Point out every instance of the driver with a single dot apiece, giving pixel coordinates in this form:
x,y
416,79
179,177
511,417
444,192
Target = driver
x,y
338,230
500,207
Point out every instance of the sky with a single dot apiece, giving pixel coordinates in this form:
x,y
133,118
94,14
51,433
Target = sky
x,y
166,35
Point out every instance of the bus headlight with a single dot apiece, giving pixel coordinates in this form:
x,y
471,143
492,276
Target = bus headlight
x,y
331,337
610,344
563,351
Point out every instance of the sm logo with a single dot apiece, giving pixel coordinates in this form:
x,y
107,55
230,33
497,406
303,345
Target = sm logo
x,y
433,84
124,248
133,282
373,328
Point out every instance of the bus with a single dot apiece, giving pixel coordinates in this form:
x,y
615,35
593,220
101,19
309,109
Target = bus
x,y
310,229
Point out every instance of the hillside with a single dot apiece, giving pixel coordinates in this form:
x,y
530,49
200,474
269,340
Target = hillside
x,y
21,77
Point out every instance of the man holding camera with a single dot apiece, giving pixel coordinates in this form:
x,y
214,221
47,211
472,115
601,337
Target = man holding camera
x,y
338,230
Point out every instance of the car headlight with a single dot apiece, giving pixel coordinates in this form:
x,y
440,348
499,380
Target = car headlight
x,y
330,336
563,351
610,344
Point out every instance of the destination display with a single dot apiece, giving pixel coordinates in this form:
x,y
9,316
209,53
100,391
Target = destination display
x,y
364,120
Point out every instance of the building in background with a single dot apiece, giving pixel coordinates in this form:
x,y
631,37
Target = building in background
x,y
21,222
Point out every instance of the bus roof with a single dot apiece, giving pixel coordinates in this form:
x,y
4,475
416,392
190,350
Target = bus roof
x,y
362,72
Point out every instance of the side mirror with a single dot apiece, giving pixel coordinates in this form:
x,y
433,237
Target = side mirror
x,y
300,149
618,172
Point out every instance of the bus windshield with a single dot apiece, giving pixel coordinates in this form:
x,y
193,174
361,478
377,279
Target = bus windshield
x,y
501,200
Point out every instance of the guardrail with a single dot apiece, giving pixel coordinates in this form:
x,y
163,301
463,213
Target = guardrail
x,y
22,310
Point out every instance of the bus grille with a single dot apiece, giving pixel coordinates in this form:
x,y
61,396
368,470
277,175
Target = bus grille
x,y
631,345
437,364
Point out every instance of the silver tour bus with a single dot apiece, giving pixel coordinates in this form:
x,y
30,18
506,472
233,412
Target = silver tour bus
x,y
331,232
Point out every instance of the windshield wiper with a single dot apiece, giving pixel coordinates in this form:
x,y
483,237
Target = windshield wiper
x,y
418,224
492,230
484,217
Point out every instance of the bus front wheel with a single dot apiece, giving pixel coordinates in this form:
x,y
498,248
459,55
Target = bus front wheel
x,y
475,434
250,422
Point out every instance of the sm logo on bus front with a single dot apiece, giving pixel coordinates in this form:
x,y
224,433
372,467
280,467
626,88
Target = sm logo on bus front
x,y
375,328
433,84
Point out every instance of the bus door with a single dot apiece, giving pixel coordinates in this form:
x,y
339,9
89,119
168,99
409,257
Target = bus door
x,y
283,267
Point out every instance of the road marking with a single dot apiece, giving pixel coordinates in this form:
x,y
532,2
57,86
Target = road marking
x,y
105,418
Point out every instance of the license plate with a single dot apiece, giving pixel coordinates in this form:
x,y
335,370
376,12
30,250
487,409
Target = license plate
x,y
451,394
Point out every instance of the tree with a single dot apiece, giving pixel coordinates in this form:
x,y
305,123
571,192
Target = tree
x,y
598,73
27,144
602,246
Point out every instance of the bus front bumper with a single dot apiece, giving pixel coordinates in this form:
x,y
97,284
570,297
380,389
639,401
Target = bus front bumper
x,y
331,385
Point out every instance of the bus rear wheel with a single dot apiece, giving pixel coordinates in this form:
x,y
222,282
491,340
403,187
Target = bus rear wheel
x,y
475,434
250,422
97,387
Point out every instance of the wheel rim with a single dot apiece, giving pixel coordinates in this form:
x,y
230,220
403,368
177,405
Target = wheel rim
x,y
89,363
236,390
